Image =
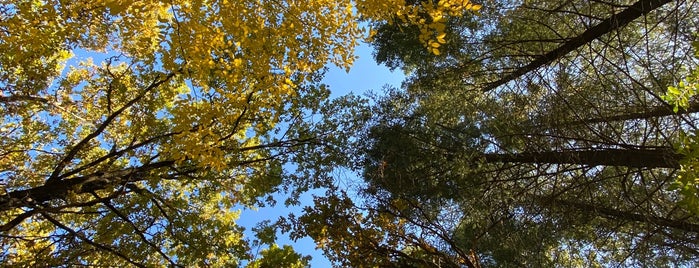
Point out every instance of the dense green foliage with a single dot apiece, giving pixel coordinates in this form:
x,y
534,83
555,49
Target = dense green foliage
x,y
538,137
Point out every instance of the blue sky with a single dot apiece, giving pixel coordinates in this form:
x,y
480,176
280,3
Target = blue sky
x,y
365,75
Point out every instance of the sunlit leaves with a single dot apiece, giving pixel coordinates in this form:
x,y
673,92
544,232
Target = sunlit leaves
x,y
681,97
280,257
169,117
429,16
687,181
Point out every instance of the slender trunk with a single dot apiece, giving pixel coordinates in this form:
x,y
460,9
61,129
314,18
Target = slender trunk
x,y
655,112
638,158
624,215
612,23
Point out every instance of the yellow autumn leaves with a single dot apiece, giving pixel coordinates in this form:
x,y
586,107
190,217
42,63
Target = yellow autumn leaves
x,y
200,86
429,16
432,33
246,56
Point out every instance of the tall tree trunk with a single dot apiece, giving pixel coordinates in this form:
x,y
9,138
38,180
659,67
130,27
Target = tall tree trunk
x,y
615,214
640,158
654,112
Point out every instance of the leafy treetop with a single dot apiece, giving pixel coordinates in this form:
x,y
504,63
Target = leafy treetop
x,y
190,110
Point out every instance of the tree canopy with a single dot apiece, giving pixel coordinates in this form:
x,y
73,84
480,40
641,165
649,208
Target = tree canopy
x,y
528,133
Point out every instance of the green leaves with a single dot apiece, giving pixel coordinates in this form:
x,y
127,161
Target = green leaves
x,y
280,257
571,144
679,96
687,181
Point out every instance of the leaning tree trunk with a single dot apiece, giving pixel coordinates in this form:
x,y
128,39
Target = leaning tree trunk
x,y
608,25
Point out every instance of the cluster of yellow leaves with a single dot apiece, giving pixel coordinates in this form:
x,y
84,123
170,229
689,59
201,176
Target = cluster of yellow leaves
x,y
28,251
429,16
257,52
236,50
249,55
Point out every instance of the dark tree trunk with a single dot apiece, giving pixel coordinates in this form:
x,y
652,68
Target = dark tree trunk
x,y
54,190
655,112
639,158
616,214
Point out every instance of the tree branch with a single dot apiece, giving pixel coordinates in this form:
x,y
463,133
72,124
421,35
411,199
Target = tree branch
x,y
86,240
55,175
78,185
